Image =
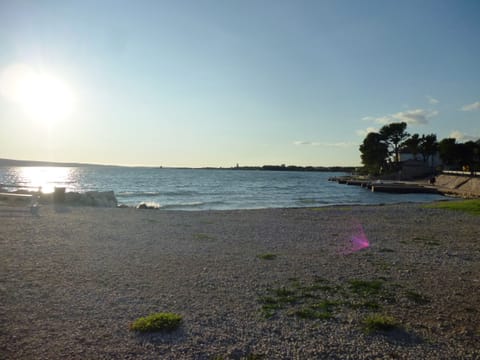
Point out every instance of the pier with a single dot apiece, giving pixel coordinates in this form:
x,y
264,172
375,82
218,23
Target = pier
x,y
391,187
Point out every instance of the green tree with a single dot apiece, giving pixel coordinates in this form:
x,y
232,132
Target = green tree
x,y
469,155
428,146
393,136
448,151
374,153
412,145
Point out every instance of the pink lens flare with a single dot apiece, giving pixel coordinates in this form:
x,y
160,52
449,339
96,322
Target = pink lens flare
x,y
358,241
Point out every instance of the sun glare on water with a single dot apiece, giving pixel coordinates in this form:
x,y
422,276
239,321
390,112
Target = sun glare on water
x,y
41,95
45,178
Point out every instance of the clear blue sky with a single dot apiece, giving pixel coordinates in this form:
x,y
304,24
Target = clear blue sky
x,y
216,83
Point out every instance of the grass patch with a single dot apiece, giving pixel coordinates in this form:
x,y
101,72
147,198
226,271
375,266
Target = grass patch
x,y
368,305
267,256
426,241
378,322
382,265
365,287
416,297
311,314
277,299
204,237
468,206
285,295
320,299
157,322
270,305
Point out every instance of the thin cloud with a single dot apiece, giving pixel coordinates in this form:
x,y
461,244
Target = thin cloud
x,y
411,117
471,107
462,137
432,100
340,144
305,143
325,144
301,142
365,132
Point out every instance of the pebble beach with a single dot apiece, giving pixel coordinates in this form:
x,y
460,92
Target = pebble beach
x,y
74,278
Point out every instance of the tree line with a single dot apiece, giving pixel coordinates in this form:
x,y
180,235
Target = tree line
x,y
380,151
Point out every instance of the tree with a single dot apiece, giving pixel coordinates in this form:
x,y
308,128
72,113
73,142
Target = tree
x,y
447,149
428,146
412,145
393,136
469,155
374,153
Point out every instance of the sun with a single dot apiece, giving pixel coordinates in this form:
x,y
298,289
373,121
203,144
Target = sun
x,y
41,95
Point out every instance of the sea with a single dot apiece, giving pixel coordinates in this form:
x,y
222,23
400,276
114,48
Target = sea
x,y
202,189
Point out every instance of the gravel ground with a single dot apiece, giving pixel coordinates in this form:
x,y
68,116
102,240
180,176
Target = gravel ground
x,y
73,279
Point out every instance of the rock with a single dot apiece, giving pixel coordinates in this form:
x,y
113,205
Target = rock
x,y
92,198
147,206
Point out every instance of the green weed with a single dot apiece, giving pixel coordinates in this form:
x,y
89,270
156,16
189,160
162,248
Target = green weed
x,y
204,237
267,256
416,297
310,313
426,241
378,322
365,287
157,322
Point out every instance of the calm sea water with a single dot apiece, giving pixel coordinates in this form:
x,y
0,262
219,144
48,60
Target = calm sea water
x,y
201,189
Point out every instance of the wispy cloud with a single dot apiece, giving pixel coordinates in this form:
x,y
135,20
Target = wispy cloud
x,y
471,107
325,144
365,132
461,137
432,100
302,142
412,117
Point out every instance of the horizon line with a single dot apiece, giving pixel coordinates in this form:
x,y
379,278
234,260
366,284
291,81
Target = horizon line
x,y
74,163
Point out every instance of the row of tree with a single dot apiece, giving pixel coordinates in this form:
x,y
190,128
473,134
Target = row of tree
x,y
380,151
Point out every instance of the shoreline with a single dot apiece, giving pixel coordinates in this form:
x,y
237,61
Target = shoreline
x,y
75,277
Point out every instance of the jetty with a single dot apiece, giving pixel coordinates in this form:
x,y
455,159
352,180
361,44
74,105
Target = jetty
x,y
448,183
385,186
403,188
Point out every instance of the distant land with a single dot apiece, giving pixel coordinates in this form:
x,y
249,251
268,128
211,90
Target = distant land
x,y
12,162
296,168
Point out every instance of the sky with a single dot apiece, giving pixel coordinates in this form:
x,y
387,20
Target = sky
x,y
218,83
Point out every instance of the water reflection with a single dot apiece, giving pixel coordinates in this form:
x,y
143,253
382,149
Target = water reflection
x,y
46,178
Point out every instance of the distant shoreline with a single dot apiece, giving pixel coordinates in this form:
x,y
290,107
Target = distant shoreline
x,y
32,163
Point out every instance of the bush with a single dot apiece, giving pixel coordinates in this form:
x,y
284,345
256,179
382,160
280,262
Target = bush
x,y
377,322
157,322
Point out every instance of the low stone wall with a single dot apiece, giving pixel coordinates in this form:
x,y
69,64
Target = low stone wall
x,y
467,186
